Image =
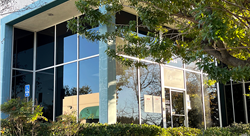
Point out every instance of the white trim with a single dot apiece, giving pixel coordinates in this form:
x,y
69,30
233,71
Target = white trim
x,y
77,72
54,96
185,93
175,89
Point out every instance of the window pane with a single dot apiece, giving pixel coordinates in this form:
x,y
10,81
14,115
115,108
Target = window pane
x,y
247,87
195,114
23,49
88,48
45,48
177,103
126,94
238,103
229,105
19,80
44,91
150,85
89,89
66,84
192,66
66,42
211,104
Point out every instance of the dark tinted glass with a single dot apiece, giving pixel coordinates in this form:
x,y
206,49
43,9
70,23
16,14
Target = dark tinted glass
x,y
19,80
89,76
23,49
44,91
45,48
150,85
66,42
247,87
126,94
239,103
195,114
88,48
229,105
66,84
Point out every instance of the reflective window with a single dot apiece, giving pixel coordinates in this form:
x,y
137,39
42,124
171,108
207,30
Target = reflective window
x,y
66,41
66,88
211,104
151,85
177,62
88,48
19,80
229,105
239,103
247,87
89,76
23,49
44,91
192,66
126,94
195,114
45,48
89,90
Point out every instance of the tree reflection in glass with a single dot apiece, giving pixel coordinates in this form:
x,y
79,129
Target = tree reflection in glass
x,y
195,114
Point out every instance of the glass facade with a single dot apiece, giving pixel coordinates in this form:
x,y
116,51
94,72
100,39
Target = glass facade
x,y
62,69
57,72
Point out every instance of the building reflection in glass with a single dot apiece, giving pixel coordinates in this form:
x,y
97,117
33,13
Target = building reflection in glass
x,y
66,85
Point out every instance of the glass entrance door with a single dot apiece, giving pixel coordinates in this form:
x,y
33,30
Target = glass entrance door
x,y
175,109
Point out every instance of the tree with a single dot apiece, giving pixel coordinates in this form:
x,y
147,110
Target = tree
x,y
195,30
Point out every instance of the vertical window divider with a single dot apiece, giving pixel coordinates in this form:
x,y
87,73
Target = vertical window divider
x,y
34,70
231,84
218,94
245,102
185,101
77,75
54,97
12,53
203,101
138,78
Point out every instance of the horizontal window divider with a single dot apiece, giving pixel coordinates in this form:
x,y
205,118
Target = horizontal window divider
x,y
179,115
93,56
165,65
22,69
175,89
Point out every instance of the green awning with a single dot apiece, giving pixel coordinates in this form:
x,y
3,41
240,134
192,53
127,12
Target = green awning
x,y
90,113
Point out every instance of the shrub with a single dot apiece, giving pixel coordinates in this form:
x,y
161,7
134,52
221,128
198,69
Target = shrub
x,y
183,131
22,118
121,130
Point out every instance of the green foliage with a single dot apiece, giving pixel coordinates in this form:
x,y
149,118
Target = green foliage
x,y
65,125
194,30
23,117
122,130
183,131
